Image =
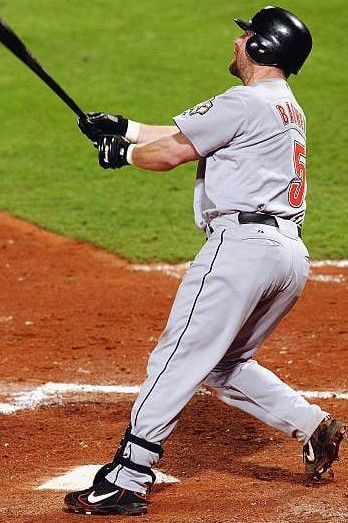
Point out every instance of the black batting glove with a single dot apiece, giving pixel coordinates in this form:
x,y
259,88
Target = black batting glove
x,y
96,125
113,152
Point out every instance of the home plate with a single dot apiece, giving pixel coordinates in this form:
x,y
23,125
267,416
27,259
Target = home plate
x,y
82,477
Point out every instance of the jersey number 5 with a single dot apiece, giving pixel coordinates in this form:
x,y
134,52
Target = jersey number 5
x,y
297,189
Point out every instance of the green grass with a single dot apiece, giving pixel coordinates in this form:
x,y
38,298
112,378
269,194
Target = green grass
x,y
149,60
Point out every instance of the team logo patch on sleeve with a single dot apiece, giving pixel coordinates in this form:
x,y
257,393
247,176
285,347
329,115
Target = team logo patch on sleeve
x,y
201,108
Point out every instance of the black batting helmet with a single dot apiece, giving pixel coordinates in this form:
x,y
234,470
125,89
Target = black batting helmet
x,y
280,39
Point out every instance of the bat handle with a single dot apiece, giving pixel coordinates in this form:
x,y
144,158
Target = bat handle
x,y
82,116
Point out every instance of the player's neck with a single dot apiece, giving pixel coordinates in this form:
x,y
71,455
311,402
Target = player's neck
x,y
261,73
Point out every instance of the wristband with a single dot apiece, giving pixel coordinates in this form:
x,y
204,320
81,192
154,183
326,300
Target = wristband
x,y
133,131
129,154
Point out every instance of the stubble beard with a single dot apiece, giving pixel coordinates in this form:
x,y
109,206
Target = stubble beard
x,y
234,69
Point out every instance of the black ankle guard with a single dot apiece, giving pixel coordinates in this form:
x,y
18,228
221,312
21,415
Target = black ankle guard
x,y
126,462
152,447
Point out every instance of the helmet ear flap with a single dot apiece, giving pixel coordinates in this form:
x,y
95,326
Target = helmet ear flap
x,y
261,50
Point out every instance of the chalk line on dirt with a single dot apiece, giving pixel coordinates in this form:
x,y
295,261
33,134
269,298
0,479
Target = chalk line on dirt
x,y
49,394
179,269
330,263
80,478
327,278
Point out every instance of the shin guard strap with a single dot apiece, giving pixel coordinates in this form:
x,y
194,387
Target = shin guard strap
x,y
126,462
152,447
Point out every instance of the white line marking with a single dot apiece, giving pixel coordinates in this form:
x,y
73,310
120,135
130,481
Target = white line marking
x,y
176,271
327,278
82,477
179,269
52,394
5,319
329,263
324,394
6,408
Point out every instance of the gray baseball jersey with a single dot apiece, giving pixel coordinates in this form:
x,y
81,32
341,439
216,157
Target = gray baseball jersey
x,y
254,141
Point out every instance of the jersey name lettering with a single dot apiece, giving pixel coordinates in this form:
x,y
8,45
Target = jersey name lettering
x,y
291,115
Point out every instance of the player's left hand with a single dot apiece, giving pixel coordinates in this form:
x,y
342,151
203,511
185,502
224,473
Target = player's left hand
x,y
113,151
98,124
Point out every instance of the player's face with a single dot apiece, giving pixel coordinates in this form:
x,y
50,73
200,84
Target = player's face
x,y
240,60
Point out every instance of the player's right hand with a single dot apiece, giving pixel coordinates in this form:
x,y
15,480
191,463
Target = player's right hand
x,y
97,125
113,152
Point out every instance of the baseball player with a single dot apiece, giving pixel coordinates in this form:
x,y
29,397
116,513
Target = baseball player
x,y
250,144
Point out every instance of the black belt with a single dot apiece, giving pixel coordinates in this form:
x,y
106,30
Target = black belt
x,y
264,219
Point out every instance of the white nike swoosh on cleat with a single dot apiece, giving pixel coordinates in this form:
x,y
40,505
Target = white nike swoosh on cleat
x,y
94,499
310,455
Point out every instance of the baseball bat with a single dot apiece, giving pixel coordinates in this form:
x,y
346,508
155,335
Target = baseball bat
x,y
14,44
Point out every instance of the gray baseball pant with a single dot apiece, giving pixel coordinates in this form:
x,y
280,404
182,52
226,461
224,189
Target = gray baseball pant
x,y
241,284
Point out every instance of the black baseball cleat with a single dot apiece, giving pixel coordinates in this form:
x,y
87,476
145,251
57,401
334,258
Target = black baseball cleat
x,y
322,448
105,498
